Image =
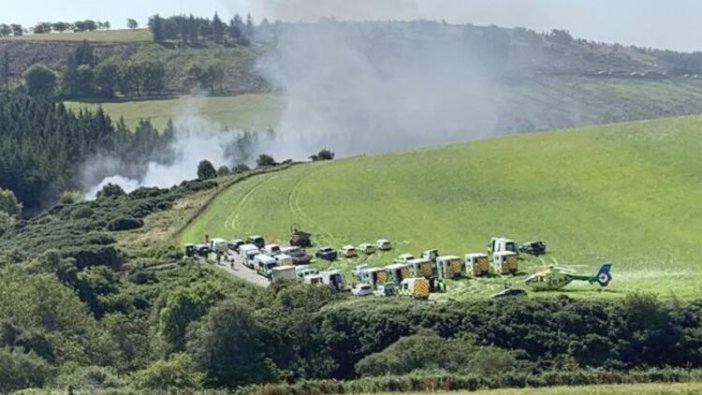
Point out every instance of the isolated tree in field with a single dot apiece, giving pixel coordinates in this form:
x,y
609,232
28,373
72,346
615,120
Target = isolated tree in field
x,y
132,23
42,27
61,26
265,161
5,30
325,154
40,80
17,30
205,170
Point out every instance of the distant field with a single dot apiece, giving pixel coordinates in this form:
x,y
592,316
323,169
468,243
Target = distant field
x,y
121,35
624,389
252,112
627,193
533,104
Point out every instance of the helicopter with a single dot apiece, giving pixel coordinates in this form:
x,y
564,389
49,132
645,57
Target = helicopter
x,y
556,277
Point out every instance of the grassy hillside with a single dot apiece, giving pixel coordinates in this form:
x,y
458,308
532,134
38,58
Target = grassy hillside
x,y
115,36
627,193
251,111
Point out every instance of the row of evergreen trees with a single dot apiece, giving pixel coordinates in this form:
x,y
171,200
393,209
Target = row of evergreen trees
x,y
43,146
192,30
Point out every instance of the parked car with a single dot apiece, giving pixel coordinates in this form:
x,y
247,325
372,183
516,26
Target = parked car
x,y
326,253
271,250
509,292
235,244
298,255
349,251
533,247
202,249
362,290
367,248
256,240
404,258
384,245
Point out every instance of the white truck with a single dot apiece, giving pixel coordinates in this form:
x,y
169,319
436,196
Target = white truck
x,y
218,245
284,260
284,273
247,252
264,265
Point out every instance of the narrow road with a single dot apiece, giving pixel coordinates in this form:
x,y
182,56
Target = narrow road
x,y
237,269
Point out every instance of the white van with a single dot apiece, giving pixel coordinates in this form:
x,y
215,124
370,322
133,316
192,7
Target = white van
x,y
286,273
284,260
247,252
218,245
264,264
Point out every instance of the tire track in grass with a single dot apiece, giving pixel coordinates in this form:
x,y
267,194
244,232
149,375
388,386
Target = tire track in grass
x,y
297,211
231,221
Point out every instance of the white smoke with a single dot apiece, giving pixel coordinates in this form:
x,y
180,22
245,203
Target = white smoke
x,y
196,139
374,87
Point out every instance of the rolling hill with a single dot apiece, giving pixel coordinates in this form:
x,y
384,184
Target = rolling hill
x,y
627,193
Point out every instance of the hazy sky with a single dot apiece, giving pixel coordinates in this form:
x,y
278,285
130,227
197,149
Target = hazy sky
x,y
670,24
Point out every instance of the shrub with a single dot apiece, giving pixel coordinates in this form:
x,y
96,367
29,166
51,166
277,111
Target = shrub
x,y
19,370
83,211
265,161
70,197
91,378
176,372
240,168
223,171
205,170
125,223
110,191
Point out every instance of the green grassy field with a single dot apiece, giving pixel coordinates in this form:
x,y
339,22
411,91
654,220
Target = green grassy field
x,y
624,389
253,112
627,193
119,35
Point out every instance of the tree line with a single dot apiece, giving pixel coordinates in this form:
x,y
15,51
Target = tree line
x,y
86,76
191,30
88,25
43,146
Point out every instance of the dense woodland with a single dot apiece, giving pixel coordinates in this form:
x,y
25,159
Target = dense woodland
x,y
44,146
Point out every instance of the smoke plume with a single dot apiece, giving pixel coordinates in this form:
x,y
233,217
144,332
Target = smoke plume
x,y
376,87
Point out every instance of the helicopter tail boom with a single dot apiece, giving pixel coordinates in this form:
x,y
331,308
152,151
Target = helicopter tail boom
x,y
603,276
